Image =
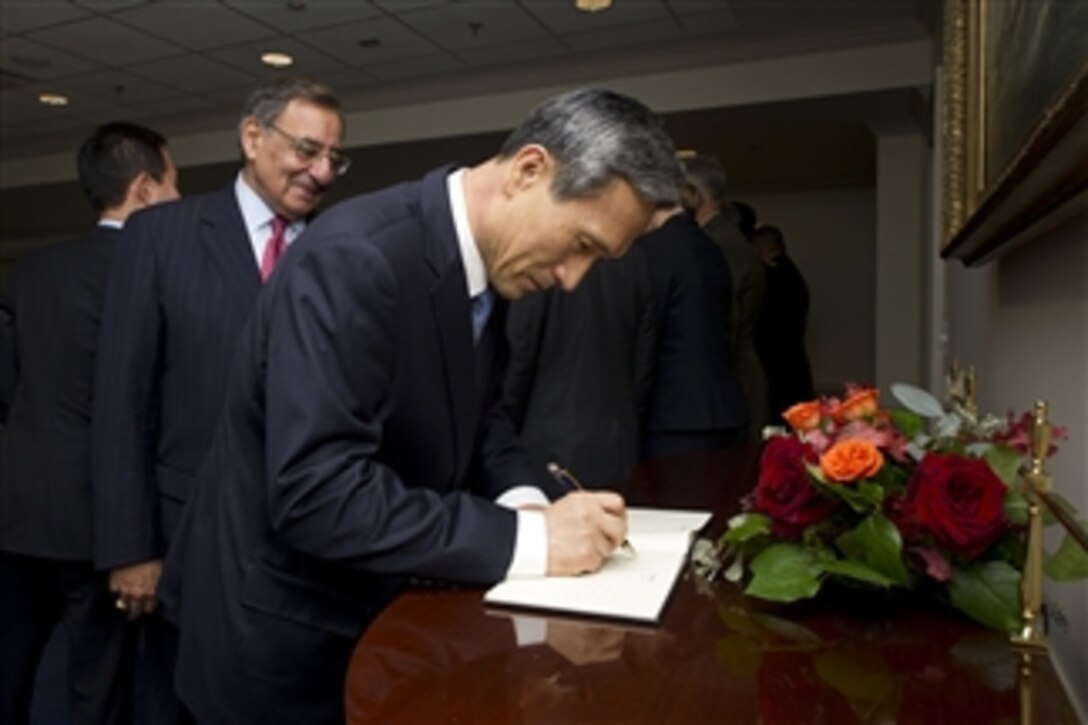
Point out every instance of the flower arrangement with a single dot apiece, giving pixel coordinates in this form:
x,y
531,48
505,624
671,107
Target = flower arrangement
x,y
912,498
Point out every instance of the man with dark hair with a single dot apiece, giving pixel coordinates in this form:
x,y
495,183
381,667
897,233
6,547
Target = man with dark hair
x,y
780,332
358,446
730,226
186,280
46,528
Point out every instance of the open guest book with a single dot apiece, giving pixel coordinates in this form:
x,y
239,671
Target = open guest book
x,y
628,586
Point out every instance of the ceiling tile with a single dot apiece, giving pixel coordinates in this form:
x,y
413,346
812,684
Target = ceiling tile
x,y
697,6
117,86
513,53
415,67
475,24
247,57
34,60
177,103
395,42
719,21
563,17
19,17
316,13
196,26
193,73
625,35
108,6
401,6
106,41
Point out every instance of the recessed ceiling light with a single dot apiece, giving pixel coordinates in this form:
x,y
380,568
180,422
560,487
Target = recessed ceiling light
x,y
685,153
277,59
53,99
592,6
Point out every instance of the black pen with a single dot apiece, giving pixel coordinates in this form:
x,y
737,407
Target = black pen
x,y
565,477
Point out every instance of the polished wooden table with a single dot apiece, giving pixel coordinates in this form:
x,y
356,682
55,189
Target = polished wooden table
x,y
436,655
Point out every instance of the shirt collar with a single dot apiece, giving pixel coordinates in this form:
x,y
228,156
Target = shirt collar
x,y
475,273
256,214
111,223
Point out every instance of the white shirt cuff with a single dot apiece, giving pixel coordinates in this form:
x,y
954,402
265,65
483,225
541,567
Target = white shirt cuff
x,y
518,496
531,546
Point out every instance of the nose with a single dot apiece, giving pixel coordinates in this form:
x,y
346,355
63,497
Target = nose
x,y
571,272
322,170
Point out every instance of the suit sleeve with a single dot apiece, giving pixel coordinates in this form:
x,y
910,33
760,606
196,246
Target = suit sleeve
x,y
126,407
331,362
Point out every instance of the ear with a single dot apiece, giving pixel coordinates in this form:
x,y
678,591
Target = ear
x,y
532,164
139,190
250,137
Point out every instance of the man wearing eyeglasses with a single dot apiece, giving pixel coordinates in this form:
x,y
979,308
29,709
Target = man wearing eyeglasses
x,y
185,280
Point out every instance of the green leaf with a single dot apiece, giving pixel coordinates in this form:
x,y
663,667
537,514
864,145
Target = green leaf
x,y
739,655
856,570
784,573
1005,463
907,422
860,675
917,400
877,543
1016,507
988,593
749,526
1070,562
862,497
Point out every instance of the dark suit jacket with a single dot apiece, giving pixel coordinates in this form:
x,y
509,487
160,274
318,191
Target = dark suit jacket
x,y
780,337
693,391
580,367
184,284
353,426
45,450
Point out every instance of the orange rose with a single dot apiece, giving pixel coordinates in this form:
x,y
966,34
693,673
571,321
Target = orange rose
x,y
851,460
861,404
803,416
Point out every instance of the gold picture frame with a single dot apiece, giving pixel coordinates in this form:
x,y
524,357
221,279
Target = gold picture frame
x,y
1015,122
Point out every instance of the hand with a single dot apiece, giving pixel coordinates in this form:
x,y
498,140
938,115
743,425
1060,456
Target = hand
x,y
583,529
582,644
135,586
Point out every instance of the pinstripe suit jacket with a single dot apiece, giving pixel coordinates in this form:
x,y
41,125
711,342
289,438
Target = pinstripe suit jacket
x,y
184,283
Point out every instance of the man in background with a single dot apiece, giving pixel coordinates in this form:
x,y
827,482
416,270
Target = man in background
x,y
187,278
695,401
780,332
47,530
357,449
727,226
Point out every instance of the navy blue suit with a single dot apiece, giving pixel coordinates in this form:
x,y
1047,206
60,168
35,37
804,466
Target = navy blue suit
x,y
355,425
185,282
46,530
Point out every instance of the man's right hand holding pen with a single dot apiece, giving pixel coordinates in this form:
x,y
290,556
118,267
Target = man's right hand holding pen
x,y
584,527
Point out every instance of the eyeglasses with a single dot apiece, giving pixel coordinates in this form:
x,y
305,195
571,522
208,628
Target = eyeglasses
x,y
309,151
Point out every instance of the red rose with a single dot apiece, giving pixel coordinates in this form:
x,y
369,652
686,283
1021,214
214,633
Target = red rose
x,y
960,501
784,491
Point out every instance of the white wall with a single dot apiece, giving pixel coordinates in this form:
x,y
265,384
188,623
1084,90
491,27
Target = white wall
x,y
1023,322
830,234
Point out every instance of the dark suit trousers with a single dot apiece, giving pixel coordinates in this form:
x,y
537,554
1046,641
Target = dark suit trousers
x,y
39,593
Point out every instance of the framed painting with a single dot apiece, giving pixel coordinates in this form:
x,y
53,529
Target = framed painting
x,y
1015,122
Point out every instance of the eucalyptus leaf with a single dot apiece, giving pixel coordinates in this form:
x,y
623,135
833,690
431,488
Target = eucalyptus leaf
x,y
748,526
1069,562
784,573
917,400
948,426
988,593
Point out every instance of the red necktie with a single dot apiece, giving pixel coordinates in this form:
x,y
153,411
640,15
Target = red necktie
x,y
274,247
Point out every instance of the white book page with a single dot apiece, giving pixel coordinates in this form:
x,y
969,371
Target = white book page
x,y
627,586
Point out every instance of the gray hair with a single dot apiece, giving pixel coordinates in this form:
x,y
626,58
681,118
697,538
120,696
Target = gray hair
x,y
707,174
268,100
597,135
